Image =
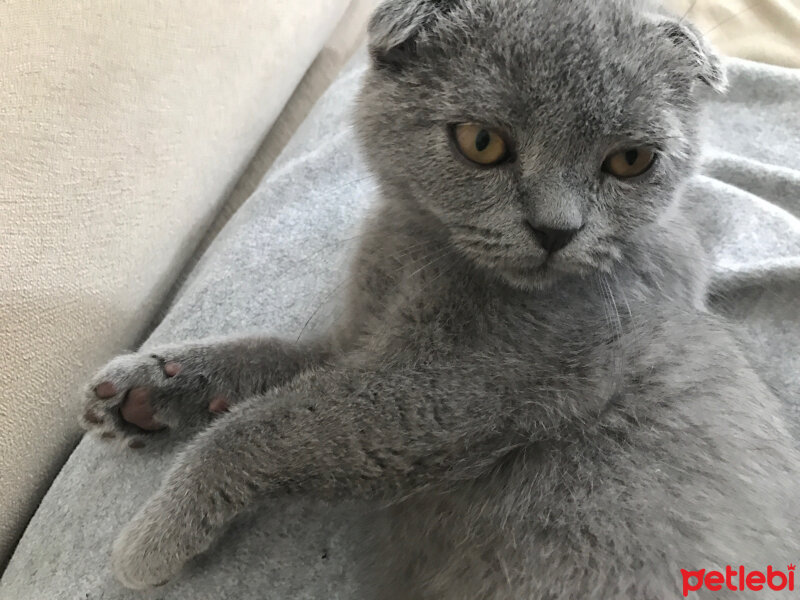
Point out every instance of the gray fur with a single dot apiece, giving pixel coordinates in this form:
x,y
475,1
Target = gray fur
x,y
575,428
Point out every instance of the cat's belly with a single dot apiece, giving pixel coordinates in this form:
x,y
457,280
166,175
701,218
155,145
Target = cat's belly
x,y
687,472
573,527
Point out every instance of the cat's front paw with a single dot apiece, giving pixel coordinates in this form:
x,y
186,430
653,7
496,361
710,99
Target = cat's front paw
x,y
139,394
147,553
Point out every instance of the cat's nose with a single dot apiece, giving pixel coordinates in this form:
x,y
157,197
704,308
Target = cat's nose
x,y
552,239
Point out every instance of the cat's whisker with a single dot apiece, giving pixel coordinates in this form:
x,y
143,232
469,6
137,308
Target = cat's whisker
x,y
749,7
481,243
475,229
444,252
336,243
409,250
615,324
634,325
438,254
324,302
688,11
483,256
483,246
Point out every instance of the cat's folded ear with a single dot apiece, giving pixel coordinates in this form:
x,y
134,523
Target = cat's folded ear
x,y
697,51
397,28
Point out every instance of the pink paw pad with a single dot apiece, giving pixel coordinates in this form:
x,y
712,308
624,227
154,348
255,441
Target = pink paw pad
x,y
171,369
136,410
92,417
218,404
105,390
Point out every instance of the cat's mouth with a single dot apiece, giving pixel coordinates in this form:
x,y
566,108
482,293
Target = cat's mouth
x,y
531,277
547,270
532,268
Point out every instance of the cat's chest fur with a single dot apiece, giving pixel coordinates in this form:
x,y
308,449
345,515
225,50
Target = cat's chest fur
x,y
415,299
410,285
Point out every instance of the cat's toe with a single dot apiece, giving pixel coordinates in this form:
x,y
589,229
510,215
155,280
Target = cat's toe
x,y
105,390
92,418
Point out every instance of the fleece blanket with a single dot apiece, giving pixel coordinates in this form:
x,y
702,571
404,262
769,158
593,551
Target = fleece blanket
x,y
283,256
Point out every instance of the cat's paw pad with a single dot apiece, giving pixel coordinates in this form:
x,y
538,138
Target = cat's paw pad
x,y
126,397
136,395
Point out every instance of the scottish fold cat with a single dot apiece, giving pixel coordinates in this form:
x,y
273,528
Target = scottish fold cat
x,y
526,373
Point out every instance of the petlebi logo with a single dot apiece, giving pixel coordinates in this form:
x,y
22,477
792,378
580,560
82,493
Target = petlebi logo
x,y
738,579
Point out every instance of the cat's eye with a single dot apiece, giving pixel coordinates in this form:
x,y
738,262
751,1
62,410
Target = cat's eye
x,y
631,162
480,144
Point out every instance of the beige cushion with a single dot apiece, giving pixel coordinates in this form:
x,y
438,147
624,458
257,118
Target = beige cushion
x,y
761,30
122,128
350,33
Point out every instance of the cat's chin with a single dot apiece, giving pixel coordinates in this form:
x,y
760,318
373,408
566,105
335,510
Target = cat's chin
x,y
546,275
534,278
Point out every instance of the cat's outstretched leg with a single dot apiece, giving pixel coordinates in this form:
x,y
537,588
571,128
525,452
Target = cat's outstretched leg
x,y
331,432
182,386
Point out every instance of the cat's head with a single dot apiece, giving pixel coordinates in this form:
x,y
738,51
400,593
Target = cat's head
x,y
543,134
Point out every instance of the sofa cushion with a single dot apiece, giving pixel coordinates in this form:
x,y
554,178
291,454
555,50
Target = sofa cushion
x,y
124,126
277,267
761,30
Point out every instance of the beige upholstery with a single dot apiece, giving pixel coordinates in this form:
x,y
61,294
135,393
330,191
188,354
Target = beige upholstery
x,y
123,126
761,30
350,33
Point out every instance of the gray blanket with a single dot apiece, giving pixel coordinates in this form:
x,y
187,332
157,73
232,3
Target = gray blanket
x,y
281,258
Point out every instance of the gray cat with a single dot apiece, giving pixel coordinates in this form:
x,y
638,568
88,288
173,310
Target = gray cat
x,y
526,374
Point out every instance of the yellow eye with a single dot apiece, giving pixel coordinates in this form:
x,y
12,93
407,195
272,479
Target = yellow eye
x,y
629,163
480,144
